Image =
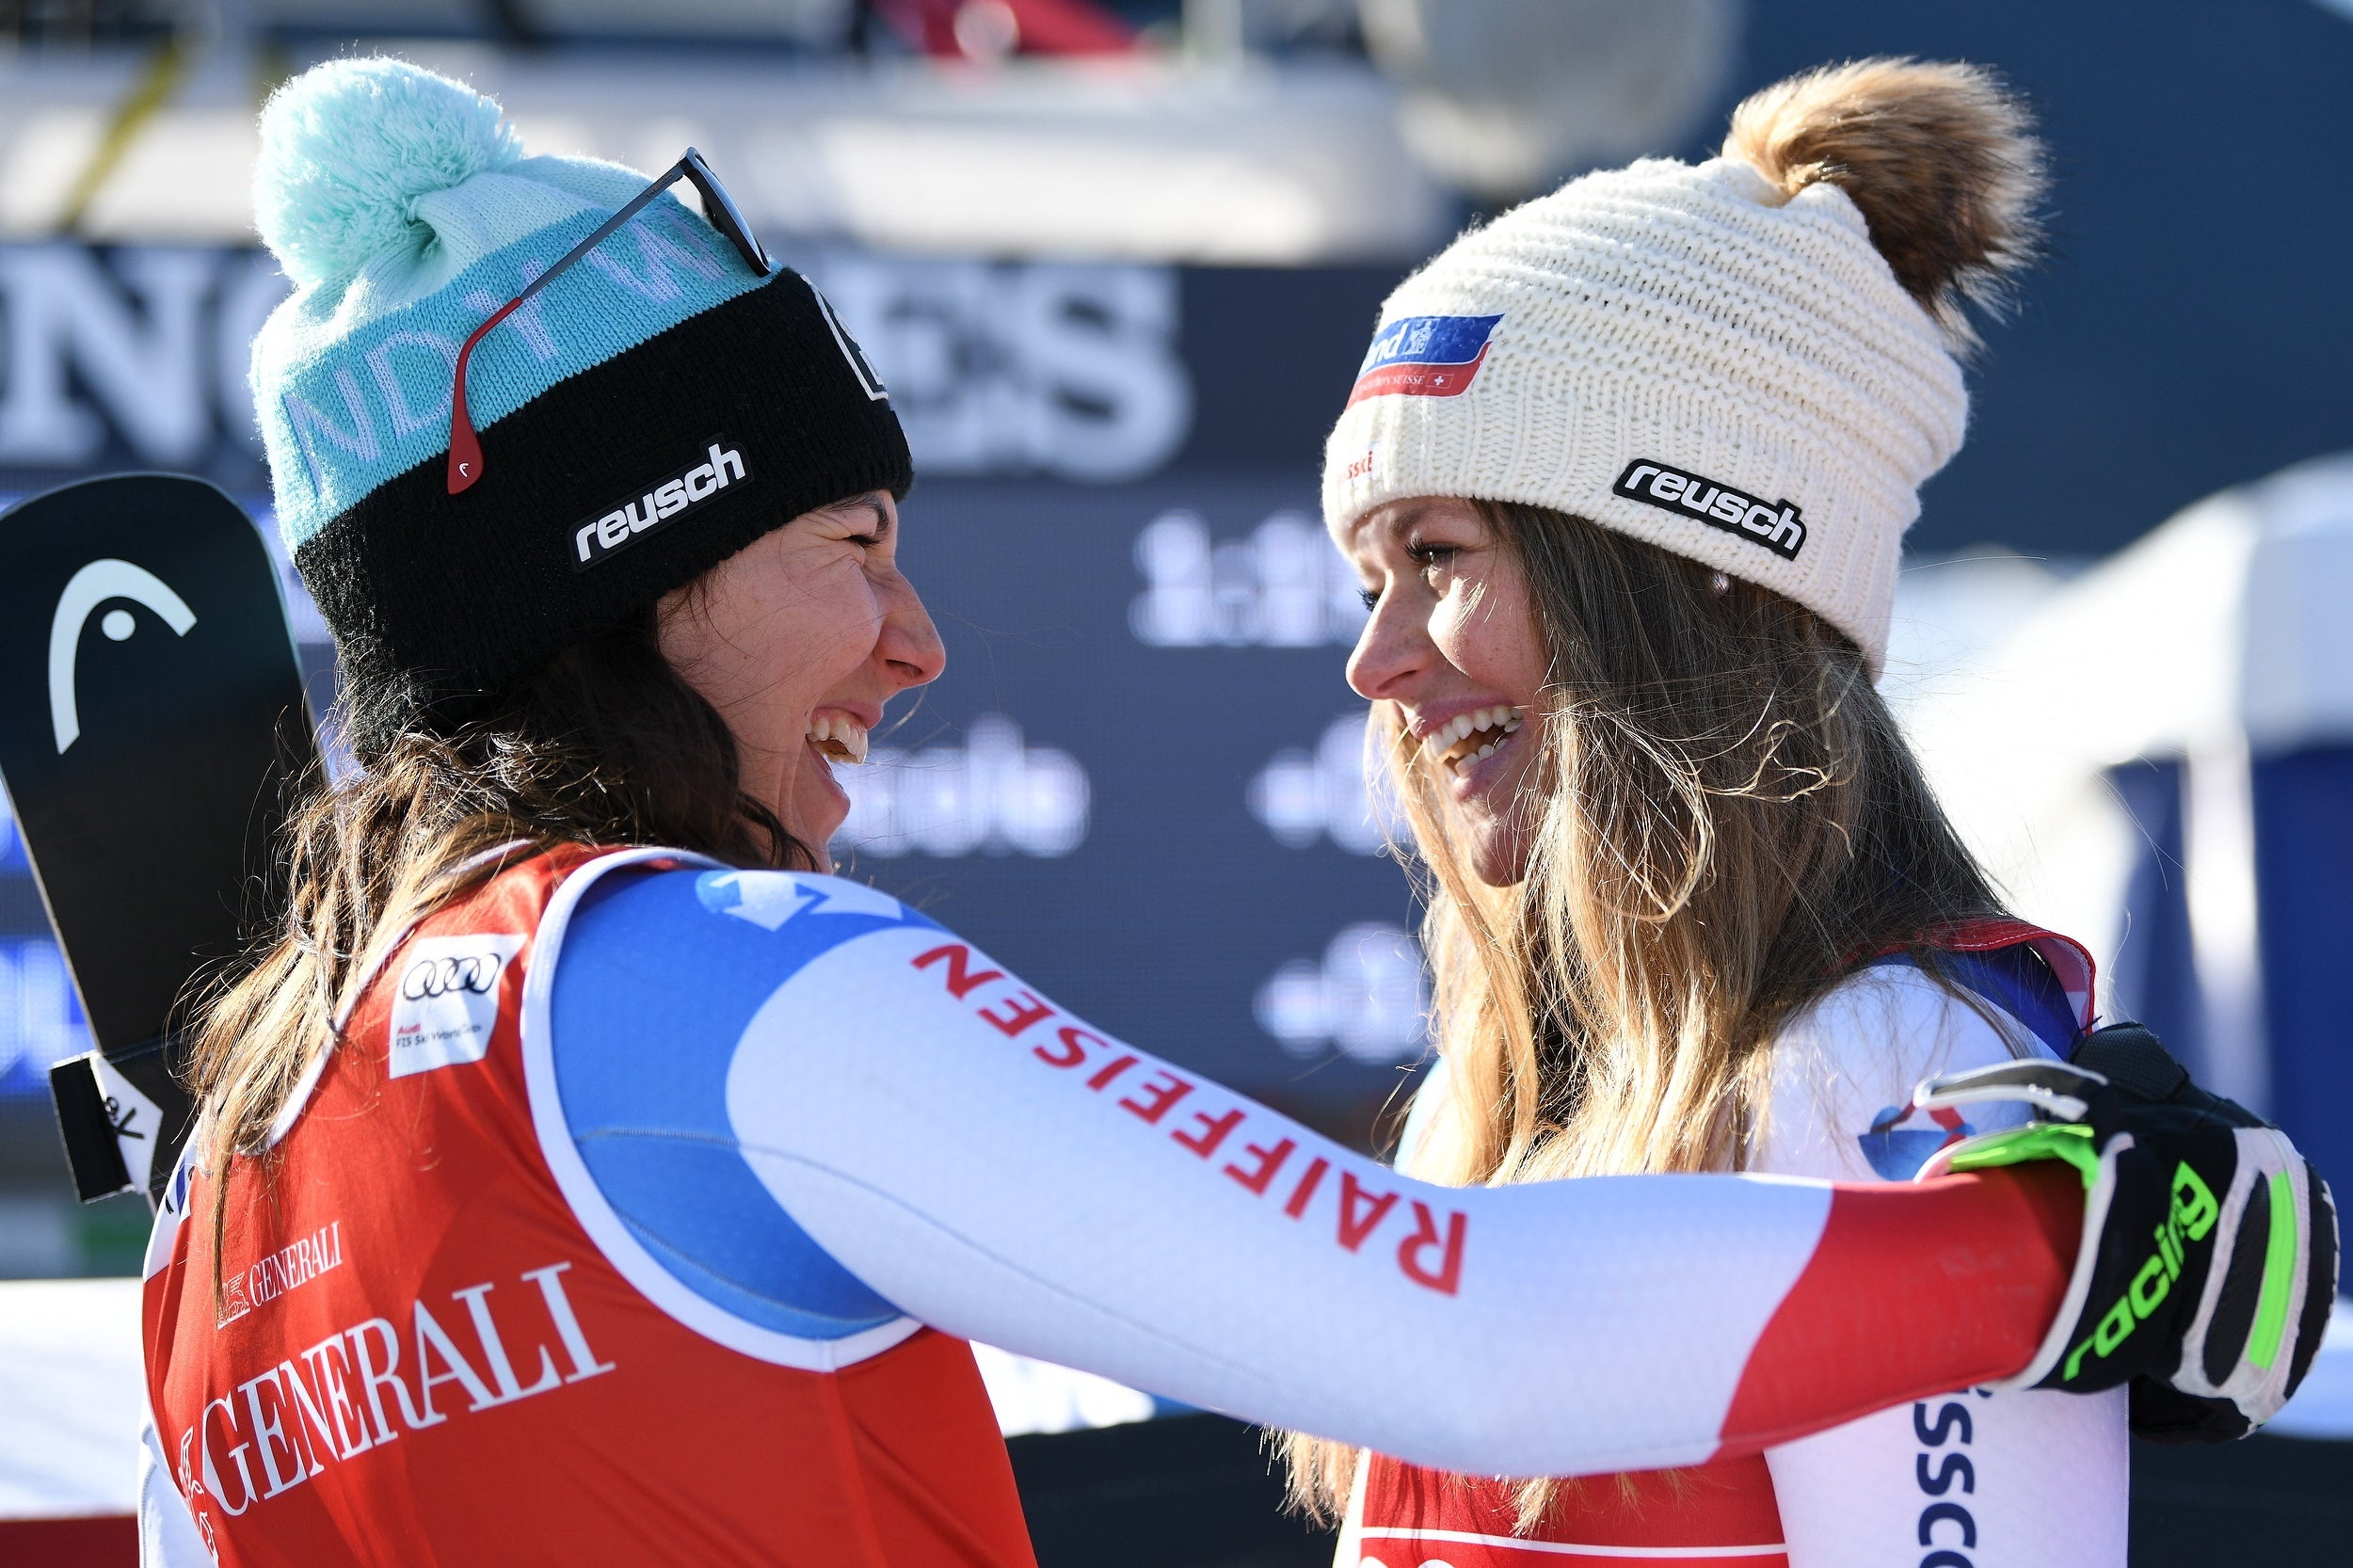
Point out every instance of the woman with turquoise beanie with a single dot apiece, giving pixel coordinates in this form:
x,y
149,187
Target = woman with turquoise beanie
x,y
584,1173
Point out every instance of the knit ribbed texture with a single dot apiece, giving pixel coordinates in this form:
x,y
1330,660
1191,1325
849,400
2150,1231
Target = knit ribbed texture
x,y
466,592
352,377
404,211
1670,338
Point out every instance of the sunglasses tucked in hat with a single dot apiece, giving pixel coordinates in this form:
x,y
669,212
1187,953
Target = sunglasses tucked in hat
x,y
643,415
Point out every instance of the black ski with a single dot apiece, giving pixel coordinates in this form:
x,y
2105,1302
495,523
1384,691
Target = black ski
x,y
151,719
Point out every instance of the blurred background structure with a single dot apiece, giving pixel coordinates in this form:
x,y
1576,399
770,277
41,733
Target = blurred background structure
x,y
1117,261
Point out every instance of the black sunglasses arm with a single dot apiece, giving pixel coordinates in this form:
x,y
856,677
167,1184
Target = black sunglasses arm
x,y
465,447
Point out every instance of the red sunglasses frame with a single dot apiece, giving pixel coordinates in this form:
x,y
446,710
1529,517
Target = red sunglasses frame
x,y
465,446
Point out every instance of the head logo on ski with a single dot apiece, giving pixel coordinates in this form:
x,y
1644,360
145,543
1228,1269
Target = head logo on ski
x,y
93,585
148,774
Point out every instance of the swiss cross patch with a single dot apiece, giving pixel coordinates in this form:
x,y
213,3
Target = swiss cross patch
x,y
1896,1152
1424,357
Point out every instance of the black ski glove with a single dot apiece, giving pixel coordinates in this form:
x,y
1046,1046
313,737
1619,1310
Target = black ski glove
x,y
2209,1257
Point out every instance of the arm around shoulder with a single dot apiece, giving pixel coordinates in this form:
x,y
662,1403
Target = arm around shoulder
x,y
971,1154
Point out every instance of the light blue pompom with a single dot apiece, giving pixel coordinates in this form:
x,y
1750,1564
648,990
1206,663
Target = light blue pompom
x,y
346,148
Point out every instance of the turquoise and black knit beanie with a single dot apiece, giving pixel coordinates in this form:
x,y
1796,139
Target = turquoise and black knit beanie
x,y
404,209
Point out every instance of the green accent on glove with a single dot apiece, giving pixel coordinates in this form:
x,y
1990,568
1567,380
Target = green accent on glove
x,y
2192,1219
2280,1248
2019,1145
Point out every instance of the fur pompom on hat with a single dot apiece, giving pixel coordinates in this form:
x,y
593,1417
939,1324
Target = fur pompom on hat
x,y
1751,362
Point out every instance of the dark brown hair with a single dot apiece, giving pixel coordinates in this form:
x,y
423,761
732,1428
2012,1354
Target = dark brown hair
x,y
606,744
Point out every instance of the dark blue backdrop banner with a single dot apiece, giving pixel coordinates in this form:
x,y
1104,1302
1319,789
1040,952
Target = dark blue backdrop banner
x,y
1139,781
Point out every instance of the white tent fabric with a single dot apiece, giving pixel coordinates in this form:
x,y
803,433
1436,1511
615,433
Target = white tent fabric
x,y
2222,638
2223,633
70,1404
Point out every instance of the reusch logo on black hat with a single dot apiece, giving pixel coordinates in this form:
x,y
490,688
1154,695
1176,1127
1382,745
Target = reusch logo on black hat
x,y
1777,525
597,537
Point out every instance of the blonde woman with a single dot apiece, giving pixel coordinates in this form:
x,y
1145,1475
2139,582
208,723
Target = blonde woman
x,y
1625,474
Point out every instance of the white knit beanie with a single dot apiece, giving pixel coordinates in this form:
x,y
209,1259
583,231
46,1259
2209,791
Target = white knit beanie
x,y
1719,358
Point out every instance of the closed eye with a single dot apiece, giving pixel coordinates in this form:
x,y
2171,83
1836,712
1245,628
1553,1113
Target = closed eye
x,y
870,509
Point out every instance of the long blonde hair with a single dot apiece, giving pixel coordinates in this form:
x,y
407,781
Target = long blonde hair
x,y
1724,818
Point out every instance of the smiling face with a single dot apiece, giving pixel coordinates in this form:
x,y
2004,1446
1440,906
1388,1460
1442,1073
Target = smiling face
x,y
798,640
1453,642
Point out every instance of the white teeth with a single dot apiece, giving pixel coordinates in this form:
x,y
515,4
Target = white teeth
x,y
838,735
1495,723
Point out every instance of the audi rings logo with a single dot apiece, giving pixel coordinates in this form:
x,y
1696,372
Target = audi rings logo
x,y
441,977
446,1007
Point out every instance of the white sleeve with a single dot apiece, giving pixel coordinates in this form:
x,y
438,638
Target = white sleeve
x,y
2027,1479
167,1534
1004,1172
990,1165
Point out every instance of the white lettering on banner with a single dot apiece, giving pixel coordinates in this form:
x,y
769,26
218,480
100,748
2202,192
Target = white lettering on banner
x,y
145,365
1283,586
328,1403
1009,368
1368,995
445,1001
1336,791
992,795
1013,368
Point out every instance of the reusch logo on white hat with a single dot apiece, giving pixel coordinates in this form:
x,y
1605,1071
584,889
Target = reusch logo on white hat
x,y
1777,525
690,487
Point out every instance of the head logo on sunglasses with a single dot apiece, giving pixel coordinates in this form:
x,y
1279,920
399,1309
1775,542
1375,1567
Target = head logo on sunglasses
x,y
465,447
